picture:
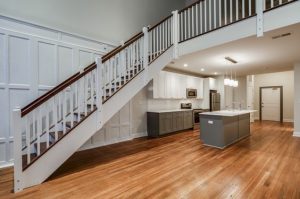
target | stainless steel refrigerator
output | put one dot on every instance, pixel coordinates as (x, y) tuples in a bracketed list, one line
[(215, 101)]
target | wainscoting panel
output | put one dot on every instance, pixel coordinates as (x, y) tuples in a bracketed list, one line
[(33, 59)]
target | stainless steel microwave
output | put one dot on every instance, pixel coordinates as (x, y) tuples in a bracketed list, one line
[(191, 93)]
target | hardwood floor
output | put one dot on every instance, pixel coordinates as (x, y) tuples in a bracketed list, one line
[(265, 165)]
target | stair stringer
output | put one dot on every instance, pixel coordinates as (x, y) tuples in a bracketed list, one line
[(121, 98), (40, 170)]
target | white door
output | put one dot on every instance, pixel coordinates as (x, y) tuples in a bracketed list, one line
[(270, 104)]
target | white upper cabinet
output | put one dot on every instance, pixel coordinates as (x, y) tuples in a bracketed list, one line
[(159, 85), (169, 85), (213, 84)]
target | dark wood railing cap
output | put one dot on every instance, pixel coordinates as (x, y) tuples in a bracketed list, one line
[(162, 21), (120, 48)]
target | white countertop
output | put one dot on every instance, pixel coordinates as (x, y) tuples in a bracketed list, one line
[(228, 113), (171, 110)]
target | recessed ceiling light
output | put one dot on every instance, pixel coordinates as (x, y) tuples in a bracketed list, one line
[(202, 69), (185, 65), (215, 73)]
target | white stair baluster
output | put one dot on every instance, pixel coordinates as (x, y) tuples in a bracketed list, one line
[(72, 104), (210, 14), (193, 22), (185, 25), (201, 17), (215, 14), (205, 16), (250, 7), (39, 130), (225, 11), (197, 19), (243, 9), (47, 124), (55, 120), (236, 10), (28, 139), (64, 109), (85, 90), (231, 11)]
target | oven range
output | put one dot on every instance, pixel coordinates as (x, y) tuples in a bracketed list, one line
[(196, 112)]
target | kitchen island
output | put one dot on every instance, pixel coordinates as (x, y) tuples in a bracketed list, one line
[(222, 128)]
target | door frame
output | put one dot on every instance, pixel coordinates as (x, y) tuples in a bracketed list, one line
[(281, 101)]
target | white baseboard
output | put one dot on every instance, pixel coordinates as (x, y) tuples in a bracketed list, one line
[(288, 120), (296, 134), (6, 165), (284, 120)]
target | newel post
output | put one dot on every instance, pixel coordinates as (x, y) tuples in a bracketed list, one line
[(146, 55), (99, 92), (16, 128), (175, 33), (260, 17)]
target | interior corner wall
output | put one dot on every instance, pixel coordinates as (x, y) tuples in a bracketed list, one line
[(297, 100), (113, 20), (285, 79), (240, 93)]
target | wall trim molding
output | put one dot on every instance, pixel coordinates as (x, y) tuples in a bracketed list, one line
[(296, 134), (52, 29)]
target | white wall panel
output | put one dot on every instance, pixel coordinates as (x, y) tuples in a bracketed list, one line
[(2, 152), (65, 63), (3, 117), (2, 49), (18, 98), (19, 60), (85, 58), (47, 64), (10, 154)]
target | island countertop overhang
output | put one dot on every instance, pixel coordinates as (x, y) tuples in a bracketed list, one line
[(226, 113)]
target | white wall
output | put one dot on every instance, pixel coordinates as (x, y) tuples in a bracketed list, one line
[(297, 100), (240, 93), (285, 79), (107, 20)]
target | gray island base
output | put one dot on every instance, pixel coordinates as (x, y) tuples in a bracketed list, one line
[(222, 128)]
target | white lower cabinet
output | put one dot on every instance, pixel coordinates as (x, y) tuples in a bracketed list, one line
[(169, 85)]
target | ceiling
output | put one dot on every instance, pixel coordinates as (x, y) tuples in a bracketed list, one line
[(254, 55)]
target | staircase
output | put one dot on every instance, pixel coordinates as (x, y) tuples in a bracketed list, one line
[(54, 126)]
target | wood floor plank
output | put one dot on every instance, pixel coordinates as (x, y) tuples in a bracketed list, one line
[(264, 165)]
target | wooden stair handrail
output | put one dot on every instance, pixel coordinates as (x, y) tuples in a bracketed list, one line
[(157, 24), (36, 103), (120, 48), (129, 40)]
